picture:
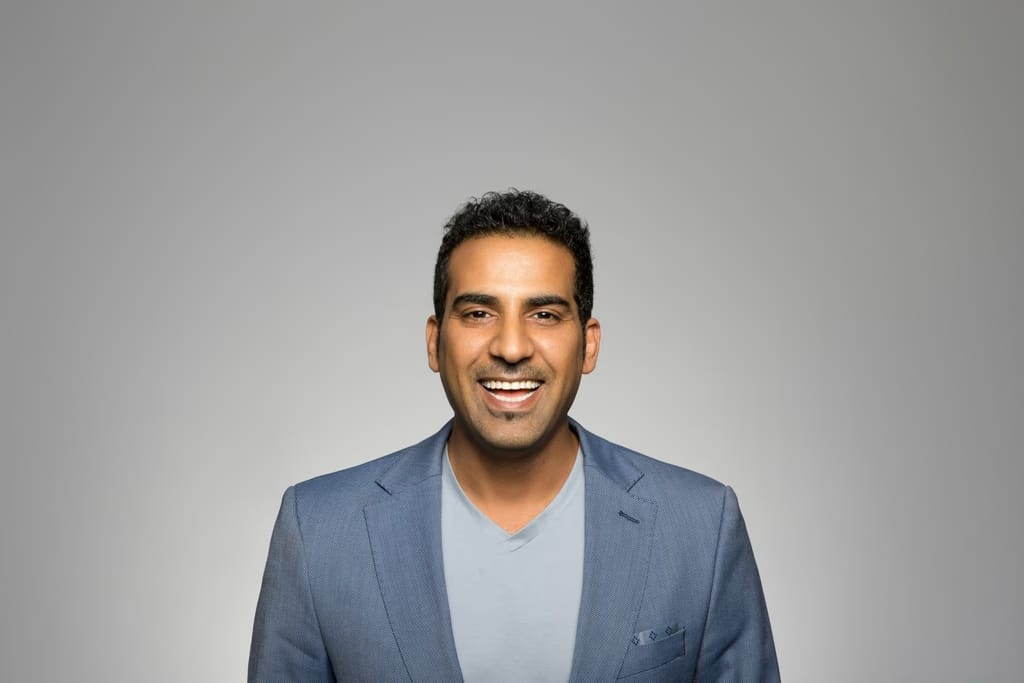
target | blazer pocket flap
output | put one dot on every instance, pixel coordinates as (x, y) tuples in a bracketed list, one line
[(651, 648)]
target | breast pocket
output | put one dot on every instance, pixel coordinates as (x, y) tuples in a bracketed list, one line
[(653, 648)]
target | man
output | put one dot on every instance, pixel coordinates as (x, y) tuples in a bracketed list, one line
[(513, 545)]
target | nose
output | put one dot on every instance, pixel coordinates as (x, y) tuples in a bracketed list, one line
[(511, 341)]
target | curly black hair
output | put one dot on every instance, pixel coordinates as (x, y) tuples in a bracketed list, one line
[(513, 213)]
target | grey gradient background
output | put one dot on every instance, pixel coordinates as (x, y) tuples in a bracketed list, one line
[(218, 225)]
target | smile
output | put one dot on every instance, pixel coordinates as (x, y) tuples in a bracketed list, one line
[(511, 392)]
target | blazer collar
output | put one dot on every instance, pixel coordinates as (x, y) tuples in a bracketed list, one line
[(606, 458), (602, 455), (416, 464), (405, 538), (617, 548)]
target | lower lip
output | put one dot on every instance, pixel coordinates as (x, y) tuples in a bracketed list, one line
[(520, 402)]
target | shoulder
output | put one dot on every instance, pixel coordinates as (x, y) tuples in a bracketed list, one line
[(347, 482), (653, 479), (355, 487), (658, 473)]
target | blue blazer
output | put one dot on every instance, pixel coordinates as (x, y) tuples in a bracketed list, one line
[(354, 584)]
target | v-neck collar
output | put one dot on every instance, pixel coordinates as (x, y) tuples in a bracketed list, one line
[(504, 539)]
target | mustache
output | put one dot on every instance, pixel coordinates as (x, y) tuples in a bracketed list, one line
[(511, 371)]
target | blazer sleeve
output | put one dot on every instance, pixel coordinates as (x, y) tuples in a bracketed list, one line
[(737, 643), (286, 640)]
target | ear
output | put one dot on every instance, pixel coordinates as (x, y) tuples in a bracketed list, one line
[(433, 332), (592, 334)]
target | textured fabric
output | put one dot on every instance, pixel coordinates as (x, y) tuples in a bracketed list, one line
[(513, 598), (354, 584)]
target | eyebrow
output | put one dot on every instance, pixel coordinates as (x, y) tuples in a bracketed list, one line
[(490, 300), (547, 300), (474, 298)]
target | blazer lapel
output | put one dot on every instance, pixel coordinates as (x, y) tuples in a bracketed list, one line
[(405, 539), (619, 531)]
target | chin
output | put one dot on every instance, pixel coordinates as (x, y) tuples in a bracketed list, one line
[(513, 441), (511, 446)]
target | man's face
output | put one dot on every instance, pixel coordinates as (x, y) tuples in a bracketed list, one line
[(510, 350)]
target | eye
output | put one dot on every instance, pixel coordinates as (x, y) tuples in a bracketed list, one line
[(477, 315), (546, 316)]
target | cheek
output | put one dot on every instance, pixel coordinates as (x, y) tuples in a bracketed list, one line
[(565, 355), (457, 352)]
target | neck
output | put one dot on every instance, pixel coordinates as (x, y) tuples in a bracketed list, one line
[(512, 488)]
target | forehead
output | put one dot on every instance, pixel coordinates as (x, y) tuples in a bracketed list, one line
[(529, 264)]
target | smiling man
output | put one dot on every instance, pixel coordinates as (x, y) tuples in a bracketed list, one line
[(513, 545)]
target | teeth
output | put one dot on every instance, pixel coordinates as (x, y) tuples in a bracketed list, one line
[(510, 386)]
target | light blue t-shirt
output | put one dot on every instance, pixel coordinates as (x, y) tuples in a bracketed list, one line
[(514, 598)]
